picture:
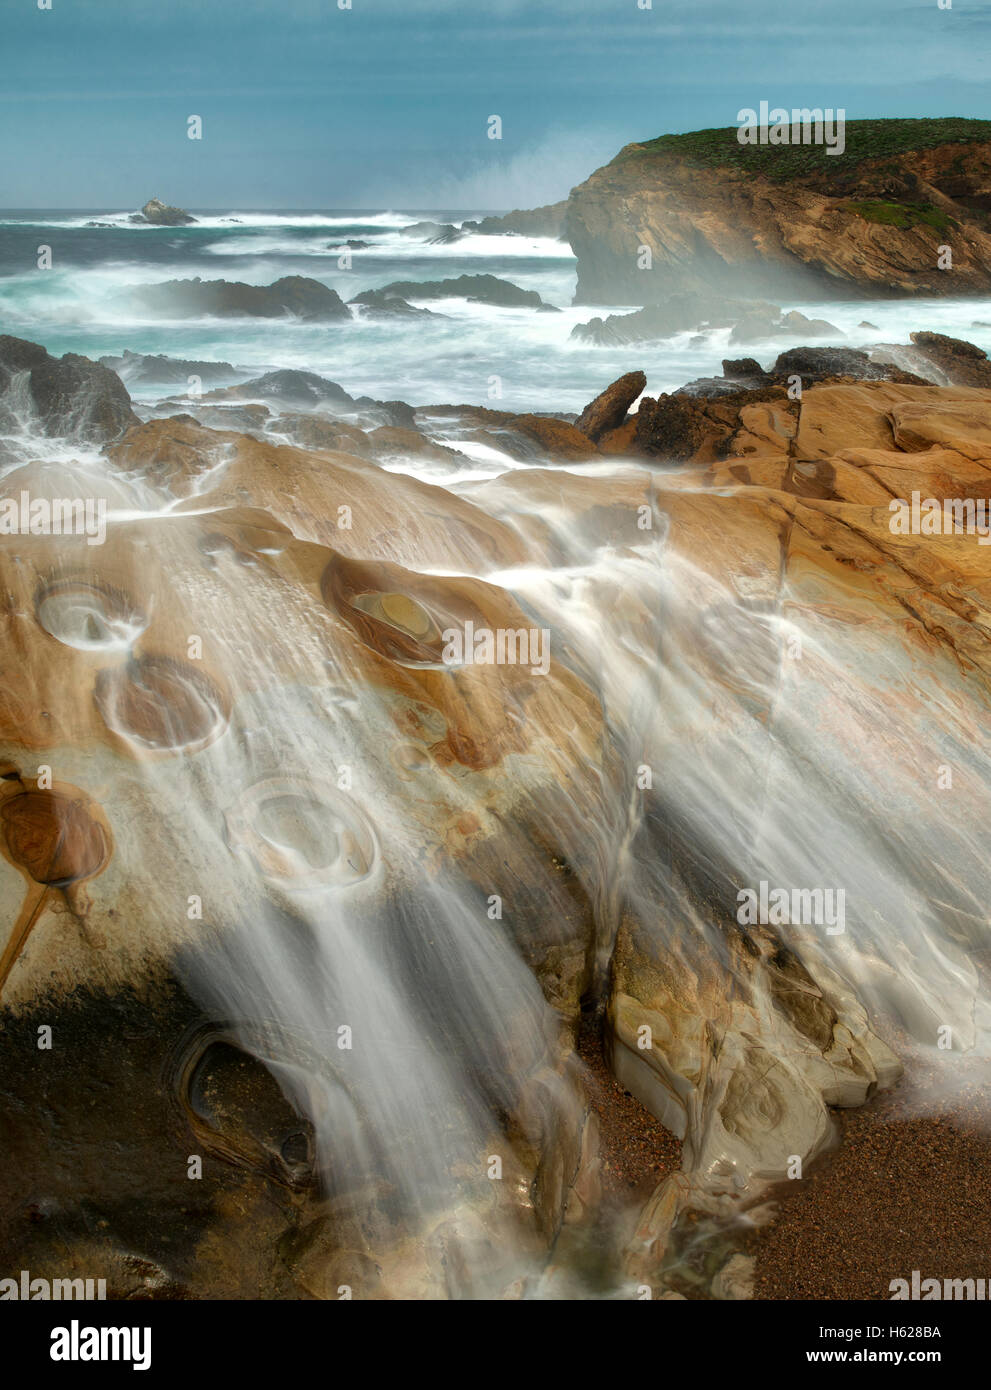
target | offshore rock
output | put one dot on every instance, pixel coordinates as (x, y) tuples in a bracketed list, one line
[(294, 295), (68, 396)]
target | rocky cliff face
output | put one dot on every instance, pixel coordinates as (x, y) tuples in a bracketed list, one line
[(723, 217)]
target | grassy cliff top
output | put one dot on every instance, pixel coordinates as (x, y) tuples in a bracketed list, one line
[(877, 139)]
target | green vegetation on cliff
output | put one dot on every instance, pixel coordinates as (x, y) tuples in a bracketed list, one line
[(902, 215), (873, 139)]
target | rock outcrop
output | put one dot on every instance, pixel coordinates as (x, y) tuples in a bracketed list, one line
[(547, 221), (478, 289), (750, 320), (256, 898), (67, 396), (390, 304), (297, 296), (159, 214), (788, 220), (141, 368), (608, 411)]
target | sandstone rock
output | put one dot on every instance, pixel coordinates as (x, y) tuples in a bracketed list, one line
[(608, 410), (323, 432), (391, 442)]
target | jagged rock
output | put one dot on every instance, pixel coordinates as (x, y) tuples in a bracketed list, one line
[(70, 396), (608, 411), (433, 232), (962, 363), (686, 427), (295, 295), (161, 215)]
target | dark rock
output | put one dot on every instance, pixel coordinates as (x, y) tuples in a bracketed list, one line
[(963, 363), (547, 221), (295, 295), (608, 410), (393, 305), (390, 412), (816, 364), (72, 396), (676, 314), (435, 233), (757, 326), (671, 427), (750, 320), (479, 289), (139, 367), (290, 385), (159, 214), (743, 369)]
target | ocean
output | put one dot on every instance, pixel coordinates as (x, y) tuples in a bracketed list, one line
[(76, 306)]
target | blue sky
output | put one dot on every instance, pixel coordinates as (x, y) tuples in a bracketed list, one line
[(385, 105)]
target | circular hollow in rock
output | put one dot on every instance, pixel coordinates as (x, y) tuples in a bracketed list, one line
[(89, 616), (53, 838), (161, 705), (400, 626), (237, 1110), (303, 834)]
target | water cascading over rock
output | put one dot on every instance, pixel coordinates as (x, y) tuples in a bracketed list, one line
[(318, 908)]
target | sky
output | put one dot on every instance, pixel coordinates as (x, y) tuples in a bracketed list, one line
[(386, 104)]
